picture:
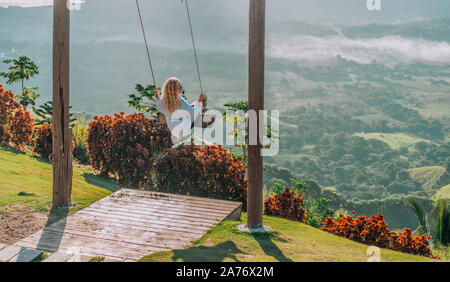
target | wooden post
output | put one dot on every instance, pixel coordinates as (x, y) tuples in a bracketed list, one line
[(62, 136), (256, 103)]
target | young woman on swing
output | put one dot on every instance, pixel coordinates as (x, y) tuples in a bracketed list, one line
[(176, 109)]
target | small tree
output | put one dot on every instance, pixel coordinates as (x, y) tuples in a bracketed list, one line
[(20, 69), (145, 101), (45, 114), (28, 97), (240, 110)]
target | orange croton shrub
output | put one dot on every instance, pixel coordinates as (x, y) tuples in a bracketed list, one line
[(21, 127), (209, 171), (8, 106), (287, 205), (43, 140), (125, 146), (374, 231)]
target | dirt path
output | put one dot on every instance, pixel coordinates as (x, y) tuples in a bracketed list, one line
[(18, 224)]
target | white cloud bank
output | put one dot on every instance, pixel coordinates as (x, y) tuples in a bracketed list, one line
[(31, 3), (389, 49)]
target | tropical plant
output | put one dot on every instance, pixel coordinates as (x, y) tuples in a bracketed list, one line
[(318, 211), (443, 222), (420, 213), (45, 114), (236, 114), (287, 204), (28, 97), (21, 128), (20, 69), (8, 105), (374, 231), (80, 134), (43, 140), (145, 101)]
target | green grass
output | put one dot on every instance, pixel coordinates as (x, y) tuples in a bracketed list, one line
[(394, 140), (427, 175), (290, 241), (26, 182), (97, 259)]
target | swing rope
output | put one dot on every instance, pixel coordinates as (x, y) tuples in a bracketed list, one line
[(146, 44), (193, 44)]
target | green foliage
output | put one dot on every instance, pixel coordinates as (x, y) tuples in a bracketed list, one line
[(19, 69), (318, 211), (80, 134), (277, 188), (238, 115), (145, 100), (28, 97), (443, 222), (45, 114), (242, 106)]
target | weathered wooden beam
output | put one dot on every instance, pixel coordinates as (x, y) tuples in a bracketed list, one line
[(256, 103), (62, 135)]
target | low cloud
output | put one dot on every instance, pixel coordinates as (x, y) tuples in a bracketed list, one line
[(388, 50)]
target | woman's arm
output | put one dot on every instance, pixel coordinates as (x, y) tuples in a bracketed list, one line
[(157, 93)]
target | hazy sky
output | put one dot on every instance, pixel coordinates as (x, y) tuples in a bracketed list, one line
[(310, 10)]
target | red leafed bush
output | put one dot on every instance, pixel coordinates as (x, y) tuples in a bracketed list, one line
[(43, 140), (125, 146), (408, 243), (21, 128), (374, 231), (208, 172), (287, 205), (7, 108)]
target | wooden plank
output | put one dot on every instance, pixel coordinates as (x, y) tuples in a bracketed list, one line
[(191, 199), (166, 203), (168, 210), (114, 226), (125, 237), (143, 225), (86, 245), (130, 228), (186, 224), (154, 213), (58, 257), (256, 58), (9, 252)]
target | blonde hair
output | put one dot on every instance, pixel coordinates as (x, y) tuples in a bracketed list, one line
[(171, 95)]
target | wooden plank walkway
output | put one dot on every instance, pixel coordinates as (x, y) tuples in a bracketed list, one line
[(129, 224)]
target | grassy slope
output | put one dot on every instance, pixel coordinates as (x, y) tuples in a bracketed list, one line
[(444, 192), (20, 172), (427, 175), (291, 241), (394, 140)]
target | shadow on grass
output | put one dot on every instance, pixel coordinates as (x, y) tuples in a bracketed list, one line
[(215, 253), (11, 150), (268, 246), (101, 182)]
